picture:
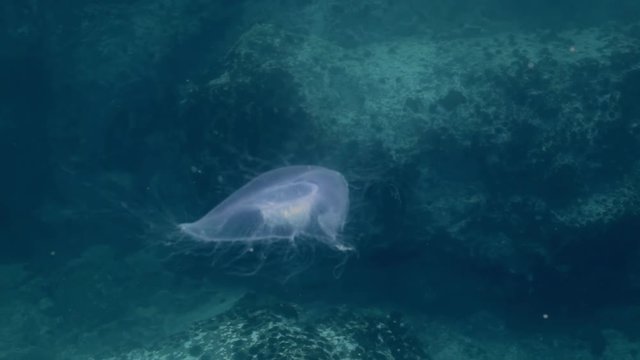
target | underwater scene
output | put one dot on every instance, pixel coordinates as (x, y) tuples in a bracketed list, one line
[(320, 180)]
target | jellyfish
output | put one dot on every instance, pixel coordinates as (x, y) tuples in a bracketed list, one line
[(278, 218)]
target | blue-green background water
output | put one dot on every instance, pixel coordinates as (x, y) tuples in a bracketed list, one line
[(491, 149)]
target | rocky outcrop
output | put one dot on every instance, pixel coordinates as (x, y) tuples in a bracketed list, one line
[(259, 327), (503, 150)]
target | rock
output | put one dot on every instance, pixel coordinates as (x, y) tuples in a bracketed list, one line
[(262, 327)]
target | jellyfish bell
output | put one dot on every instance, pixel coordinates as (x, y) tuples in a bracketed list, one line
[(279, 218)]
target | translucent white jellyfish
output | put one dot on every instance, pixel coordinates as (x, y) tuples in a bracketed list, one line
[(277, 218)]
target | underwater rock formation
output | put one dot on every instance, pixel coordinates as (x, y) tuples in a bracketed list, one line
[(503, 132), (260, 327)]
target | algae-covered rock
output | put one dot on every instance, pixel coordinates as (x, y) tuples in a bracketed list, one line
[(502, 132), (266, 328)]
